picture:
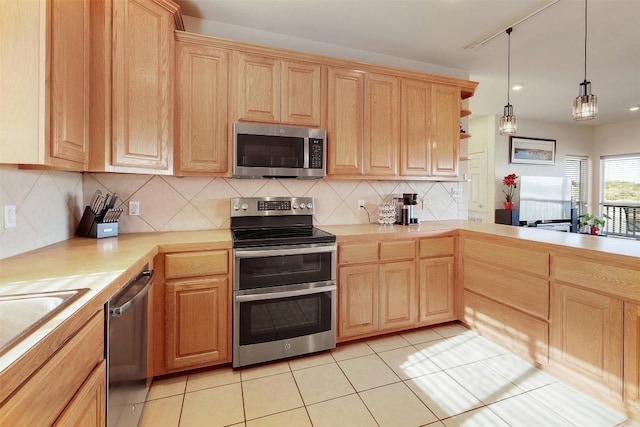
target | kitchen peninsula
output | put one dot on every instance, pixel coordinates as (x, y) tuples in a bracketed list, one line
[(569, 303)]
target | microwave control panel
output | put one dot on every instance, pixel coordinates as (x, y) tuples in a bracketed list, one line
[(316, 153)]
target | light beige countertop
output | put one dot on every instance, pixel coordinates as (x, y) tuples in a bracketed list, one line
[(606, 247), (104, 265)]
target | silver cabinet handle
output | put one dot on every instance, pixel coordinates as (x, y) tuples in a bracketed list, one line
[(274, 295), (281, 252)]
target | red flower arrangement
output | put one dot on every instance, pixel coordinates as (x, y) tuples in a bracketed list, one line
[(510, 182)]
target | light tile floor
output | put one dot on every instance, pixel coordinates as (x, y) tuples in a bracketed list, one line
[(441, 376)]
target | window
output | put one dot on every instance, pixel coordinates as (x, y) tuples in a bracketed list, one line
[(620, 194), (620, 179), (576, 168)]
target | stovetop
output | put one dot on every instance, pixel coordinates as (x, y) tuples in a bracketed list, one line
[(257, 237), (273, 221)]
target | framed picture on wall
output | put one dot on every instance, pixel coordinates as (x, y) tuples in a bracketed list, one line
[(533, 151)]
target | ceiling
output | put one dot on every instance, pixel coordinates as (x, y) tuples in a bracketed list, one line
[(547, 50)]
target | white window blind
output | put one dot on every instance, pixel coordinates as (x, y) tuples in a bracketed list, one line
[(620, 179), (576, 168)]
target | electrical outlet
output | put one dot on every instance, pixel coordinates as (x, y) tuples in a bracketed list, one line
[(134, 208), (360, 203), (10, 216)]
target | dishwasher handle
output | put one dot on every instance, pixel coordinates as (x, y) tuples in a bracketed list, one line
[(144, 277)]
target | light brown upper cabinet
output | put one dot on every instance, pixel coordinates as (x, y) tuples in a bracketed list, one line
[(381, 124), (44, 64), (444, 138), (272, 90), (415, 125), (132, 101), (201, 107), (345, 113)]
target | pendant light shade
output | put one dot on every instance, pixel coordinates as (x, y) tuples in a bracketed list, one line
[(585, 106), (508, 124)]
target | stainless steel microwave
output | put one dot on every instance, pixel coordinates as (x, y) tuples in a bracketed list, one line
[(272, 151)]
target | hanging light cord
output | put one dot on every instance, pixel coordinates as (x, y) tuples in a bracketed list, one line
[(585, 40), (509, 65)]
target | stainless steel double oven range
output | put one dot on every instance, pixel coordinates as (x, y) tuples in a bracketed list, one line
[(284, 280)]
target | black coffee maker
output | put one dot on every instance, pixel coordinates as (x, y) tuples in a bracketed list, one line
[(409, 200)]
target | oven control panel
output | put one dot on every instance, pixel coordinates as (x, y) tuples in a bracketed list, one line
[(268, 206)]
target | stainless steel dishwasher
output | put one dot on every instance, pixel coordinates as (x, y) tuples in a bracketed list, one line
[(127, 351)]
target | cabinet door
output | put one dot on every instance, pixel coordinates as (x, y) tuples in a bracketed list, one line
[(201, 109), (196, 322), (358, 300), (344, 122), (397, 295), (415, 128), (632, 356), (300, 93), (88, 407), (142, 91), (445, 130), (257, 86), (70, 80), (381, 125), (436, 293), (586, 335)]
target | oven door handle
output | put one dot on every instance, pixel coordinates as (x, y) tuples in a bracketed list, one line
[(253, 253), (286, 294)]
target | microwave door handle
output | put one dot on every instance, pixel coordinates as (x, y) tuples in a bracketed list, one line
[(287, 294), (305, 163), (281, 252)]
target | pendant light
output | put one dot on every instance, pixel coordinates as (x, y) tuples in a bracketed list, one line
[(585, 106), (508, 123)]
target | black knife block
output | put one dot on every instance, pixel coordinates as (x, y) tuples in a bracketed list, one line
[(90, 226)]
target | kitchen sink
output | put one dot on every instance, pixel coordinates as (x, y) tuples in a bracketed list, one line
[(21, 314)]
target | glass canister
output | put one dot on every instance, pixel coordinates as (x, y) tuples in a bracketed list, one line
[(386, 213)]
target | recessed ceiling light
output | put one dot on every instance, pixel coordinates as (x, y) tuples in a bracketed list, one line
[(634, 108), (517, 87)]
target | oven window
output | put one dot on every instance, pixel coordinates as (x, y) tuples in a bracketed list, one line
[(280, 270), (270, 151), (284, 318)]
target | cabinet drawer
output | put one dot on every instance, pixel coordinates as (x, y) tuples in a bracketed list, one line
[(622, 282), (405, 249), (519, 290), (192, 264), (41, 399), (440, 246), (358, 252), (523, 334), (524, 260)]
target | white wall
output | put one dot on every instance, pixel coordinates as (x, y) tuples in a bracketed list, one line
[(571, 139), (265, 38)]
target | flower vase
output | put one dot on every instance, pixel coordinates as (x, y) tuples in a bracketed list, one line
[(593, 231), (508, 205)]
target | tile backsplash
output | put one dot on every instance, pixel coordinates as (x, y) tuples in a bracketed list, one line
[(49, 204), (48, 208), (198, 203)]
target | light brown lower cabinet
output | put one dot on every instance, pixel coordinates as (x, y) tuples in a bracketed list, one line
[(436, 292), (196, 322), (89, 405), (632, 357), (378, 294), (358, 290), (196, 310), (586, 336), (397, 295), (59, 386)]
